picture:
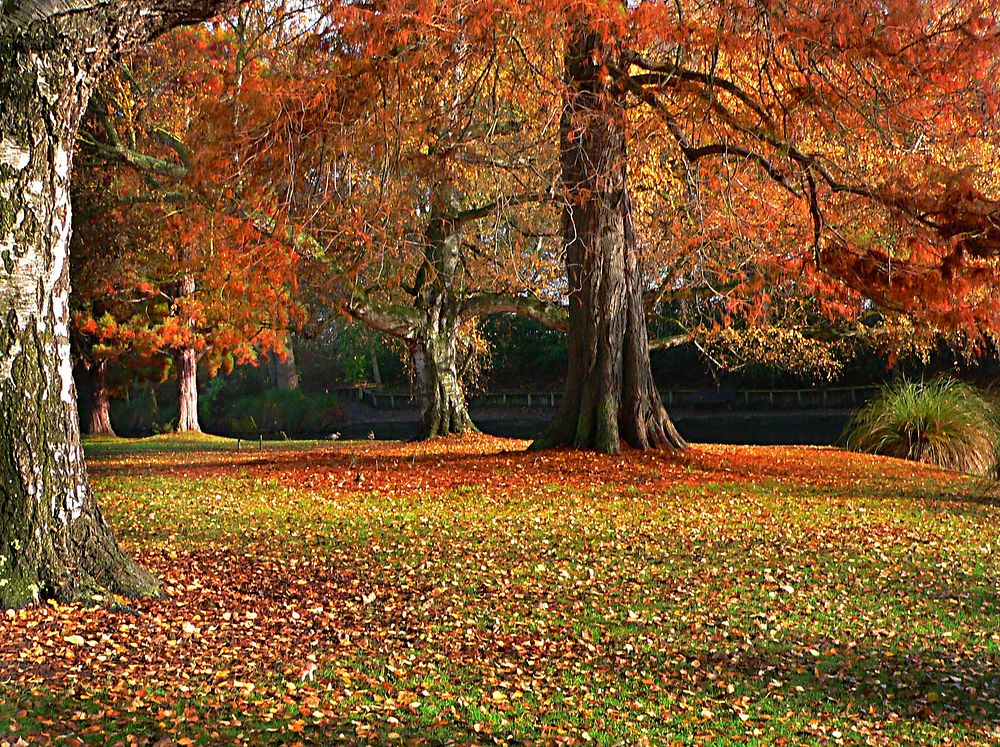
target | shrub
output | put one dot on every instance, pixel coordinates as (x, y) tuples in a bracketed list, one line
[(281, 411), (944, 422)]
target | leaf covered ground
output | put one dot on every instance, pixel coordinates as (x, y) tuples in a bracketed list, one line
[(470, 592)]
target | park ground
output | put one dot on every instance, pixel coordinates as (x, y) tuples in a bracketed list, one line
[(469, 592)]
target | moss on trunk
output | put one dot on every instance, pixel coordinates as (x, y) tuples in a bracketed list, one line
[(443, 410), (54, 541)]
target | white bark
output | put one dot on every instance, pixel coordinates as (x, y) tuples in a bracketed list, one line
[(187, 375), (53, 539)]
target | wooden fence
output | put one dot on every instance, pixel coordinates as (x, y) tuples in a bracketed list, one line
[(833, 398)]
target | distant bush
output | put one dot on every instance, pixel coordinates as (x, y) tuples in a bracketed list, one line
[(277, 411), (140, 413), (944, 422)]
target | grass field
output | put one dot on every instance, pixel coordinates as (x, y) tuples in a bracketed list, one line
[(469, 592)]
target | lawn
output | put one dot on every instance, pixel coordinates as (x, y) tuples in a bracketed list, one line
[(469, 592)]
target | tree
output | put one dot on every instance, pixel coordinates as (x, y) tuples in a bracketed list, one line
[(54, 542), (443, 303), (380, 172), (610, 392), (846, 130), (113, 309), (226, 291), (771, 88)]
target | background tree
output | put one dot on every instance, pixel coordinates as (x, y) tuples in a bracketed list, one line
[(421, 196), (412, 184), (226, 290), (770, 88)]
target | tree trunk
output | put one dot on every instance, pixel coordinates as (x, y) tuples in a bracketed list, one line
[(443, 410), (187, 377), (610, 394), (100, 408), (434, 347), (187, 372), (376, 371), (284, 373), (54, 541)]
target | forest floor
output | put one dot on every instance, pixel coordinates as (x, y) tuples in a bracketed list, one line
[(470, 592)]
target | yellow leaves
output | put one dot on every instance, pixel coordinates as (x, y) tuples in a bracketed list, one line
[(75, 640), (789, 348)]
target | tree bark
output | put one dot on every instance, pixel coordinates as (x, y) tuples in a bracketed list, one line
[(187, 377), (610, 395), (187, 372), (376, 371), (284, 372), (100, 408), (434, 348), (54, 541), (443, 410)]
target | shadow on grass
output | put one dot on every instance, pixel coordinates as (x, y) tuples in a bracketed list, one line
[(879, 683)]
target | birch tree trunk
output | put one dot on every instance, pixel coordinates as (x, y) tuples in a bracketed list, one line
[(54, 541), (610, 395)]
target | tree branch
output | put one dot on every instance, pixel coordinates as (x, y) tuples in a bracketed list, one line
[(476, 213), (551, 315), (666, 343)]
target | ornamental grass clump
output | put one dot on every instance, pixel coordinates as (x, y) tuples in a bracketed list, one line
[(944, 422)]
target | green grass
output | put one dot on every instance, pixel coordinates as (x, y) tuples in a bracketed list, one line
[(97, 447), (720, 611)]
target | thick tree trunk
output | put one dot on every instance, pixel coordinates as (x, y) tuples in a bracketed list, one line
[(53, 540), (187, 377), (443, 410), (610, 394), (284, 372), (434, 347), (100, 406), (430, 327)]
